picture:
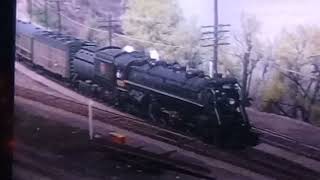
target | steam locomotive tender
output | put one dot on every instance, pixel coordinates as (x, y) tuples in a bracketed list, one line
[(166, 94)]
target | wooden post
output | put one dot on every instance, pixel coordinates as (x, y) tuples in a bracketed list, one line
[(211, 67), (90, 119)]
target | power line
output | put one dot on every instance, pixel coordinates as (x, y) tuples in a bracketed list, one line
[(213, 67), (127, 37), (119, 35), (110, 27), (219, 44), (215, 32), (149, 42), (275, 65), (281, 68), (46, 8), (132, 17), (219, 25)]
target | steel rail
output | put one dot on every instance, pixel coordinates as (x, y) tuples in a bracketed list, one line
[(251, 159)]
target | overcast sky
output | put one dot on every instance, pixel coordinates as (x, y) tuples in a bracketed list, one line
[(274, 14)]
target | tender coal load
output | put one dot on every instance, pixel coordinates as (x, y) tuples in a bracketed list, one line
[(83, 61)]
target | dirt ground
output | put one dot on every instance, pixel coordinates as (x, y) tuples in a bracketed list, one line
[(26, 82), (59, 146), (63, 146)]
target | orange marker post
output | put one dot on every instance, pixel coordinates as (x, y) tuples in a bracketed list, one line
[(118, 138)]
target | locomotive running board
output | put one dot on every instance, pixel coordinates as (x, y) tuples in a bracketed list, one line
[(163, 93)]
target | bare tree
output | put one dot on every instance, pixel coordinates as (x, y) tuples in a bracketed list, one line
[(247, 50), (296, 66), (314, 94)]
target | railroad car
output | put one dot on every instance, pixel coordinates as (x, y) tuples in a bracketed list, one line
[(53, 52), (83, 61), (168, 95), (24, 40)]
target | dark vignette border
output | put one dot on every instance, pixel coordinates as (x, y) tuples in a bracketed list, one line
[(7, 54)]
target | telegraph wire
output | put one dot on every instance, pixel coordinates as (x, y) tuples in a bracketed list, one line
[(117, 34), (277, 66), (281, 68), (273, 64)]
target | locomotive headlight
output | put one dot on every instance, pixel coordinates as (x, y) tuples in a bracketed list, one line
[(237, 87), (128, 49), (119, 74), (232, 101)]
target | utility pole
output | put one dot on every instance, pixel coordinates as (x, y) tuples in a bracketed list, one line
[(90, 116), (216, 41), (31, 10), (213, 67), (59, 16), (46, 13), (110, 27)]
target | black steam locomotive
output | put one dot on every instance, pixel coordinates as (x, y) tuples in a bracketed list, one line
[(165, 94)]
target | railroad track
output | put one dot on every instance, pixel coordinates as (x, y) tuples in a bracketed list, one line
[(252, 159), (268, 136), (30, 158), (285, 142), (32, 161)]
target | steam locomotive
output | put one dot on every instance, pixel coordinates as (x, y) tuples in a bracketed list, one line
[(165, 94)]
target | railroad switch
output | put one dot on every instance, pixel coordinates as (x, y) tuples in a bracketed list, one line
[(118, 138)]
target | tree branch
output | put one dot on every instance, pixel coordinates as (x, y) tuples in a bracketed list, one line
[(294, 80), (281, 109)]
